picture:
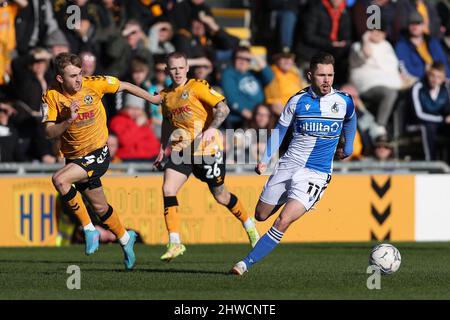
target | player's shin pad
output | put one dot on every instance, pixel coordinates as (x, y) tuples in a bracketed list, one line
[(75, 202), (111, 219)]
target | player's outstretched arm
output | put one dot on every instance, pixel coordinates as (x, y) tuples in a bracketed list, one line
[(133, 89), (55, 130)]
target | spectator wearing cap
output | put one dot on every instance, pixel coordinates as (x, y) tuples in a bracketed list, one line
[(432, 107), (417, 51), (286, 82), (57, 43), (30, 81), (244, 87), (137, 141), (374, 70), (425, 8), (383, 149)]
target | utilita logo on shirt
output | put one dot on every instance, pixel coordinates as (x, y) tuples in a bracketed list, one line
[(328, 128)]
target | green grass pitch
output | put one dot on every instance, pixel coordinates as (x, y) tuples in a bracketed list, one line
[(292, 271)]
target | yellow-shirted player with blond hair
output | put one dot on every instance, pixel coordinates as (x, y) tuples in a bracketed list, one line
[(73, 112), (193, 112)]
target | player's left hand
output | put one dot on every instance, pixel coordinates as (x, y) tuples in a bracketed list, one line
[(340, 154), (208, 136)]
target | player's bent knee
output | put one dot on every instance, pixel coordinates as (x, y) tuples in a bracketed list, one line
[(169, 191), (59, 182), (260, 216)]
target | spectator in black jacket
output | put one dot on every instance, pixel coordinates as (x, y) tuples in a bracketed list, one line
[(29, 83), (204, 38), (9, 138), (329, 29), (182, 13), (33, 25), (432, 106)]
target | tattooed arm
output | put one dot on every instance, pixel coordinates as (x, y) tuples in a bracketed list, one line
[(221, 111)]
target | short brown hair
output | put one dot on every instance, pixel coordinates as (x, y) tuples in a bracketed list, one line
[(65, 59), (175, 55), (320, 58), (437, 65)]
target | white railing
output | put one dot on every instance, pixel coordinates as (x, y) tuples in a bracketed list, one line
[(396, 167)]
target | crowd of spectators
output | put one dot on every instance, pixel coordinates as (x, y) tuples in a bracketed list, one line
[(402, 60)]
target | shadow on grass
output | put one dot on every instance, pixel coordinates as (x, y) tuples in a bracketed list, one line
[(138, 270)]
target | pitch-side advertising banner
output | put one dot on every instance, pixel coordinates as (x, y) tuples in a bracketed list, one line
[(353, 208)]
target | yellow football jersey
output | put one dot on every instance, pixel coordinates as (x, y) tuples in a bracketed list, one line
[(89, 131), (189, 108)]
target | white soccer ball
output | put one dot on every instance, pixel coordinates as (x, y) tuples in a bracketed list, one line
[(386, 257)]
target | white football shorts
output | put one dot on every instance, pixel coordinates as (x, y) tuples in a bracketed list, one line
[(301, 184)]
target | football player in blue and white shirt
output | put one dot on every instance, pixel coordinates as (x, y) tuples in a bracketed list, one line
[(318, 115)]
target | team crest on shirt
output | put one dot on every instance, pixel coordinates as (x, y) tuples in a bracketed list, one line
[(88, 99), (335, 108), (185, 95), (307, 106)]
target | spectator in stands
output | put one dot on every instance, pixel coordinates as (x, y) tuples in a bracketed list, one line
[(137, 141), (263, 121), (113, 146), (384, 149), (432, 107), (8, 13), (33, 25), (88, 63), (57, 43), (121, 50), (426, 9), (374, 70), (29, 83), (160, 37), (286, 15), (9, 137), (204, 38), (416, 51), (80, 35), (148, 12), (388, 10), (243, 87), (159, 82), (184, 11), (368, 129), (328, 29), (287, 81)]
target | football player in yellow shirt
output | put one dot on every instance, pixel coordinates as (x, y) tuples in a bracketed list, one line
[(73, 113), (193, 112)]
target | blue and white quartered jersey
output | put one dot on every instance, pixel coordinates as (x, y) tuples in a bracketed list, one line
[(317, 122)]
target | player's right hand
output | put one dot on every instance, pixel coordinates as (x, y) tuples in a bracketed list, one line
[(74, 108), (157, 165), (260, 168)]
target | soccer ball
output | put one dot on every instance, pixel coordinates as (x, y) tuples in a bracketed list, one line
[(386, 257)]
